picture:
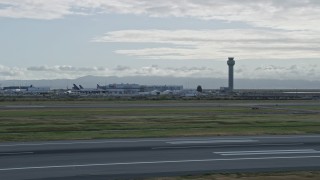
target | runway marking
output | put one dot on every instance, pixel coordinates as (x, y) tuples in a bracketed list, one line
[(21, 106), (219, 146), (213, 141), (72, 143), (153, 162), (114, 141), (15, 153), (286, 137), (242, 153), (156, 140)]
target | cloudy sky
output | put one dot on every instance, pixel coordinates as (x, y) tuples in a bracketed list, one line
[(49, 39)]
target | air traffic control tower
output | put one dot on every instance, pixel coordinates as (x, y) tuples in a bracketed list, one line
[(231, 63)]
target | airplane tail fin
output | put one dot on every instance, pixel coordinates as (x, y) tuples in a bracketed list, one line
[(75, 87)]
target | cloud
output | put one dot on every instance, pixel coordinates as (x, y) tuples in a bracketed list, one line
[(9, 73), (302, 71), (217, 44), (284, 14), (122, 68), (35, 9), (65, 68), (294, 71), (155, 70), (63, 71)]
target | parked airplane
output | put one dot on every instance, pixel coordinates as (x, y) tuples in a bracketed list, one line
[(81, 89), (101, 87), (75, 87)]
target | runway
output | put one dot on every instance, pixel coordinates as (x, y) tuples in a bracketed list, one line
[(136, 158)]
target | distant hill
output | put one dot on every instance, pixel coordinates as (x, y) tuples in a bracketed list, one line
[(187, 82)]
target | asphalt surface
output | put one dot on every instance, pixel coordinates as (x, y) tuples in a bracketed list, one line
[(137, 158)]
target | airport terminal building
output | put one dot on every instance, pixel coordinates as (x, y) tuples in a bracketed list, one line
[(26, 89), (136, 89)]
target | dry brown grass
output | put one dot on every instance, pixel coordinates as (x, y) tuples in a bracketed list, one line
[(124, 122)]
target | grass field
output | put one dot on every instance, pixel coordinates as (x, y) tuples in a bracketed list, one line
[(127, 122)]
